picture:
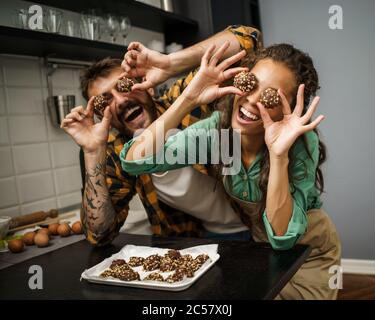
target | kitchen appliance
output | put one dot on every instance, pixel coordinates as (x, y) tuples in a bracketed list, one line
[(59, 107)]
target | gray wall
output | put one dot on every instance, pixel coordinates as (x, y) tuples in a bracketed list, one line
[(344, 60)]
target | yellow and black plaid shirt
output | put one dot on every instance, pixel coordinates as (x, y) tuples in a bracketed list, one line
[(164, 220)]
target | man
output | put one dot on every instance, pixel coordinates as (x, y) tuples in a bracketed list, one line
[(181, 202)]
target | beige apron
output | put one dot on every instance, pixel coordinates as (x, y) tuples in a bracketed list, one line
[(311, 282)]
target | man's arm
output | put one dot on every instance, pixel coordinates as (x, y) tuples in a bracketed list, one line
[(98, 212), (99, 218), (156, 68)]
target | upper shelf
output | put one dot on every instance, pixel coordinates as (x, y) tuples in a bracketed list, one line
[(176, 28), (41, 44), (140, 14)]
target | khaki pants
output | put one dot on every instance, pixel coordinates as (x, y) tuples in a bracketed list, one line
[(311, 282)]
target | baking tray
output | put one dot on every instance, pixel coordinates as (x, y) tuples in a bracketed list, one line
[(93, 274)]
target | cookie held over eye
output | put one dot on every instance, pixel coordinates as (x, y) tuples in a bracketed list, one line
[(270, 98), (124, 85), (100, 102), (245, 81)]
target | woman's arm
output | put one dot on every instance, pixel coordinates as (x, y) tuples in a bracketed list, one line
[(203, 89), (284, 217)]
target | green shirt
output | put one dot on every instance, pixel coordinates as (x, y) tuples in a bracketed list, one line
[(243, 185)]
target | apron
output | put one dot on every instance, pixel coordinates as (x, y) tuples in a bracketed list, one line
[(311, 282)]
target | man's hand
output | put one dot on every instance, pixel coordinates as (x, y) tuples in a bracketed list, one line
[(205, 86), (80, 125), (151, 65)]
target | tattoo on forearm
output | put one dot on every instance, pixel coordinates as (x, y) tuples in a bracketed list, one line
[(97, 205)]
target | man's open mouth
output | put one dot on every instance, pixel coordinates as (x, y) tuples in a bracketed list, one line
[(132, 113)]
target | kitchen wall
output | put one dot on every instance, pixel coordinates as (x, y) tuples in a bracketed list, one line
[(344, 60), (39, 166)]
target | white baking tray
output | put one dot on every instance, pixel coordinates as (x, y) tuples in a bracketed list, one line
[(93, 274)]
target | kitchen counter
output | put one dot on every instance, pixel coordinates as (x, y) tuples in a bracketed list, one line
[(245, 270)]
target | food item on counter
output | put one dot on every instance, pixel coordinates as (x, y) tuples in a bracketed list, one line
[(168, 264), (181, 265), (154, 276), (202, 258), (28, 238), (53, 228), (173, 254), (15, 245), (270, 98), (100, 102), (136, 261), (151, 262), (45, 231), (64, 230), (41, 239), (77, 227), (176, 276), (124, 85), (245, 81), (117, 262), (122, 272)]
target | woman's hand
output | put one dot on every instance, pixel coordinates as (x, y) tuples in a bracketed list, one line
[(204, 87), (280, 135), (80, 125), (154, 67)]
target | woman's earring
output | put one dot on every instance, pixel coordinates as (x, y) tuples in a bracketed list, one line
[(270, 98), (124, 85), (245, 81), (100, 102)]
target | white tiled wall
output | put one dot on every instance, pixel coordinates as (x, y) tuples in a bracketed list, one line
[(39, 164)]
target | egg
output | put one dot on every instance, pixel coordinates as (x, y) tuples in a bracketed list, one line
[(15, 245), (45, 231), (28, 238), (77, 227), (41, 239), (64, 230), (53, 228)]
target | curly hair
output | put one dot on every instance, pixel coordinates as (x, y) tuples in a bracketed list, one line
[(302, 67)]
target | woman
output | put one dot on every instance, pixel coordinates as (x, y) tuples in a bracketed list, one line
[(280, 179)]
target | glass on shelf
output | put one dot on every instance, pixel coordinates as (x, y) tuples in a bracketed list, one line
[(91, 26), (125, 27), (71, 29), (52, 19), (111, 25), (21, 18)]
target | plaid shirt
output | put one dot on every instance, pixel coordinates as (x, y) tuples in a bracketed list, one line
[(164, 220)]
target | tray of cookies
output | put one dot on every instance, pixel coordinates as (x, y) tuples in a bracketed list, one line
[(154, 268)]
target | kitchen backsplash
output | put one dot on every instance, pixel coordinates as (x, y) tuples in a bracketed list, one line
[(39, 163)]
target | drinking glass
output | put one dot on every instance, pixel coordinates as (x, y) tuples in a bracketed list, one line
[(71, 29), (125, 27), (21, 18), (91, 27), (112, 26), (52, 19)]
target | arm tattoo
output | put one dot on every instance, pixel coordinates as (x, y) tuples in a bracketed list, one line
[(98, 210)]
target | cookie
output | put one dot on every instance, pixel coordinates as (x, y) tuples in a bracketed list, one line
[(173, 254), (151, 262), (245, 81), (270, 98), (124, 85), (100, 102), (154, 276), (117, 262), (136, 261)]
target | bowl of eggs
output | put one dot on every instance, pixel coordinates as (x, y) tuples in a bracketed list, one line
[(4, 228)]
